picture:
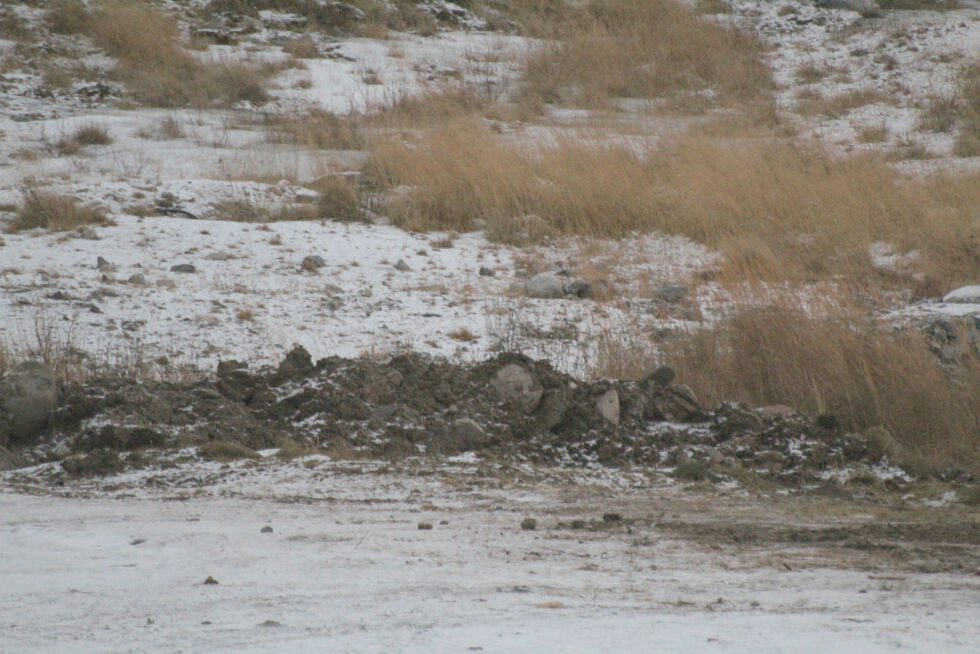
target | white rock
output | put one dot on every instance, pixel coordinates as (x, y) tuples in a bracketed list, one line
[(964, 295), (608, 405)]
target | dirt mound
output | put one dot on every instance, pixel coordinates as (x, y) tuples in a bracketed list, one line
[(510, 406)]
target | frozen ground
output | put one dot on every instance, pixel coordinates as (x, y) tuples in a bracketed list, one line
[(116, 566)]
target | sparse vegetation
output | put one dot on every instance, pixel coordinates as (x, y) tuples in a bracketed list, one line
[(623, 48), (776, 210), (45, 210), (835, 361), (840, 105), (150, 60)]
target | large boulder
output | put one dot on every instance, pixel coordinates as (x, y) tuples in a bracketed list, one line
[(28, 398), (517, 388)]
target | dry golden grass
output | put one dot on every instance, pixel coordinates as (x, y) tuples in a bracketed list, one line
[(968, 138), (873, 133), (776, 210), (839, 363), (150, 60), (839, 105), (55, 212), (317, 128), (638, 48)]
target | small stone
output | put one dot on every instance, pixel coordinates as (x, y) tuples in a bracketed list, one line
[(183, 268), (402, 266), (271, 623), (139, 279), (266, 530), (608, 406), (612, 517), (578, 524), (313, 263), (210, 581), (486, 271), (425, 526), (103, 265), (89, 234), (529, 524)]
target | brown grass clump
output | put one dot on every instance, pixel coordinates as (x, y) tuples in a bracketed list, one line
[(639, 48), (68, 17), (777, 210), (151, 62), (55, 212), (317, 128), (839, 105), (841, 364), (226, 451)]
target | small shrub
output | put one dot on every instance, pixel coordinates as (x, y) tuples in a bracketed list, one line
[(226, 451), (302, 48), (69, 17), (54, 212), (939, 114)]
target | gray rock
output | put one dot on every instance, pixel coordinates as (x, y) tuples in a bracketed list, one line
[(266, 530), (529, 524), (463, 435), (964, 295), (89, 234), (104, 266), (138, 278), (313, 262), (545, 286), (775, 411), (671, 293), (221, 255), (183, 268), (552, 410), (486, 271), (579, 288), (677, 403), (608, 406), (516, 387), (28, 398), (661, 376), (402, 266)]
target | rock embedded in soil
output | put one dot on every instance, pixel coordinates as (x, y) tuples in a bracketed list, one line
[(661, 376), (486, 271), (425, 526), (545, 286), (28, 399), (313, 263), (516, 387), (608, 406), (402, 266), (183, 268), (529, 524)]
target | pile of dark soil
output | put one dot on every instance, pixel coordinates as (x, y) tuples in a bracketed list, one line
[(509, 408)]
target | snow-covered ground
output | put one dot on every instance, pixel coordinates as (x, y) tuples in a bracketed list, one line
[(119, 567)]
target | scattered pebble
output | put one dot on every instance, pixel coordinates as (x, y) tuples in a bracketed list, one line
[(266, 530), (425, 526), (529, 524)]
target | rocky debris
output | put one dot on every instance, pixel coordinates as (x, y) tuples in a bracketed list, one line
[(529, 524), (425, 526), (183, 268), (138, 279), (516, 387), (511, 407), (103, 265), (964, 295), (210, 581), (28, 399), (89, 234), (313, 263), (266, 530), (402, 266), (486, 271)]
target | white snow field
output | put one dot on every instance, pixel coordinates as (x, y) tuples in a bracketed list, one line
[(113, 566)]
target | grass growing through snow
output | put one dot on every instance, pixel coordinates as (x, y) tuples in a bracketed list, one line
[(54, 212), (607, 49), (150, 59), (777, 211), (843, 364)]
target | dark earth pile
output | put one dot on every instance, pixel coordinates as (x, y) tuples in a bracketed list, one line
[(509, 407)]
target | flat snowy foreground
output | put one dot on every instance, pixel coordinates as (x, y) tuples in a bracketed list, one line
[(345, 569)]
